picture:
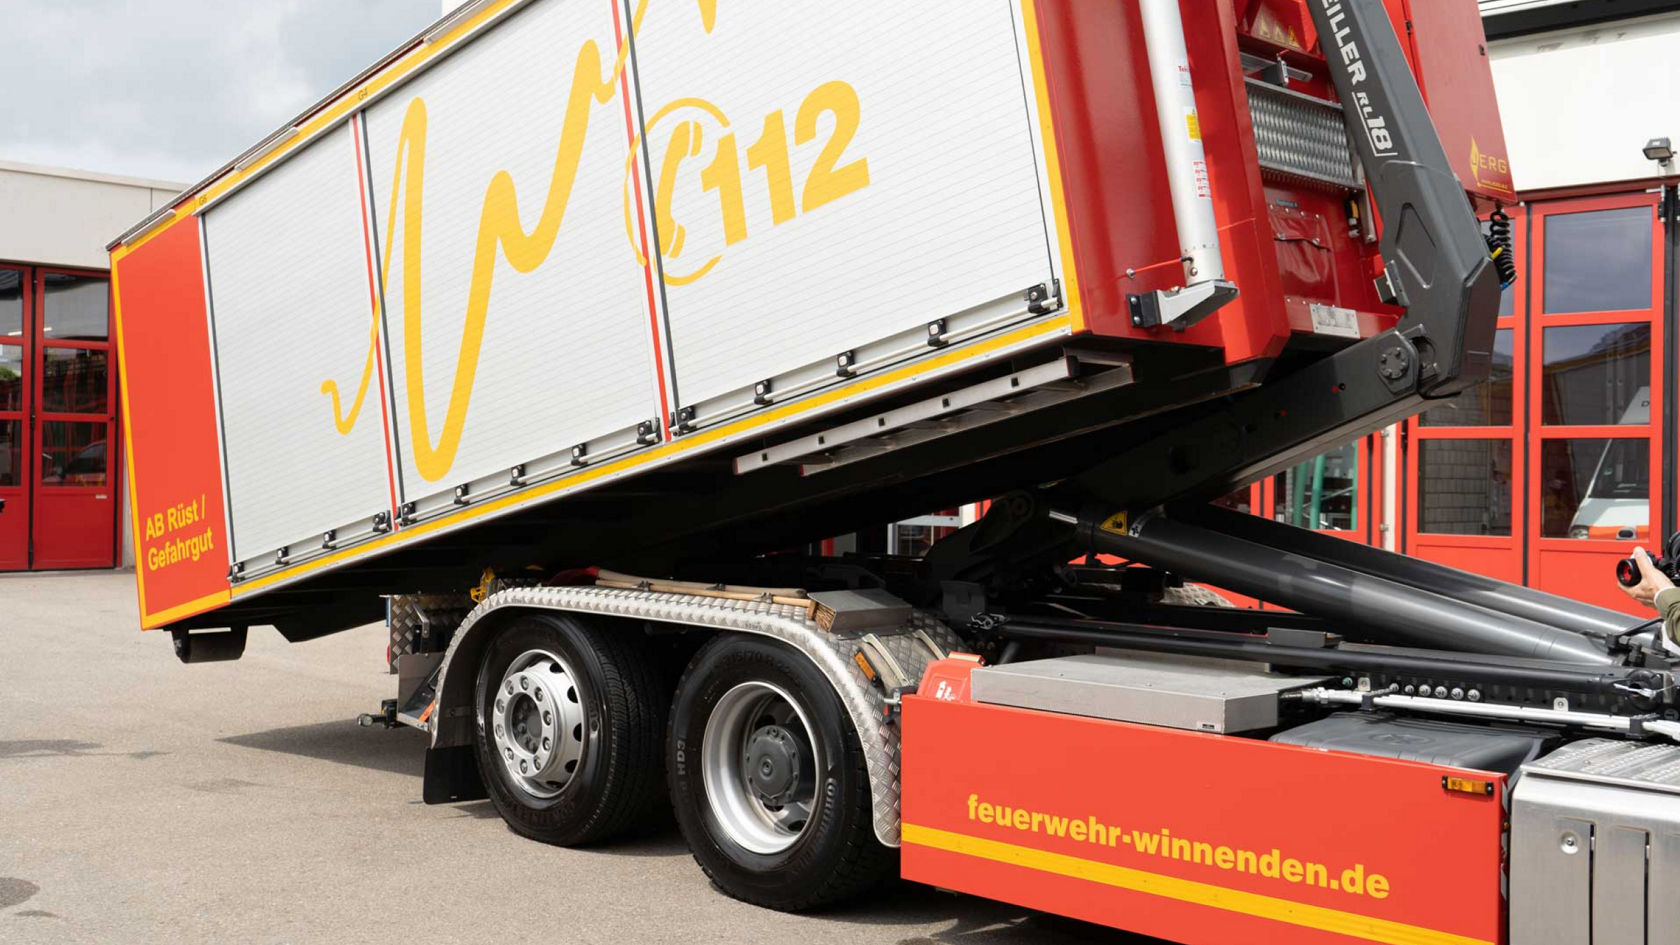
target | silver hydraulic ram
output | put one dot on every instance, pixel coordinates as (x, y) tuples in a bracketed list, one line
[(1390, 611), (1205, 288)]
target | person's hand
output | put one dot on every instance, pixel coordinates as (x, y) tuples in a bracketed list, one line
[(1650, 579)]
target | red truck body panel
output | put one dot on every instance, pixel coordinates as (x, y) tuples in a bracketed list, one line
[(1200, 838)]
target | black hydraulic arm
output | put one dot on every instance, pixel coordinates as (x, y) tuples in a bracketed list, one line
[(1437, 266)]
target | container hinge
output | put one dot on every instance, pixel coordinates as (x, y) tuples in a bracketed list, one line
[(647, 432), (1044, 298), (845, 363), (683, 420), (1180, 307), (761, 392), (936, 334), (381, 522)]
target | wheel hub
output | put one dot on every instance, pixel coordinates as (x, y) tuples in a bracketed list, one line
[(761, 766), (772, 763), (536, 723)]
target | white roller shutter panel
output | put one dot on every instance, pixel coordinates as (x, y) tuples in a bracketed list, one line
[(951, 216), (290, 308), (567, 352)]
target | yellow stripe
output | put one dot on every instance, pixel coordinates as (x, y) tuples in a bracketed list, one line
[(171, 614), (690, 442), (329, 115), (1184, 890), (1053, 165), (128, 444)]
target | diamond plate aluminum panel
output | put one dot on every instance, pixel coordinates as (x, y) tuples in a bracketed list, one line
[(1302, 136), (832, 654)]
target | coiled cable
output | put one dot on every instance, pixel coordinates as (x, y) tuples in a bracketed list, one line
[(1501, 248)]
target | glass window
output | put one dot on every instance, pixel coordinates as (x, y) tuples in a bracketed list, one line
[(73, 380), (77, 308), (1464, 487), (11, 453), (1595, 489), (72, 454), (1599, 261), (1321, 493), (11, 377), (1596, 375), (11, 303), (1488, 404)]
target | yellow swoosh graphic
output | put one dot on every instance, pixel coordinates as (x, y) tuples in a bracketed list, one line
[(499, 230)]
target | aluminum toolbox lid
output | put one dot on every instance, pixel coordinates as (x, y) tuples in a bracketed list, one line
[(1432, 741), (1604, 761)]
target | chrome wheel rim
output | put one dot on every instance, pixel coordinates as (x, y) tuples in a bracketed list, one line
[(761, 767), (537, 723)]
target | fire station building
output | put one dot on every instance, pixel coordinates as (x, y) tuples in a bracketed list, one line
[(60, 446)]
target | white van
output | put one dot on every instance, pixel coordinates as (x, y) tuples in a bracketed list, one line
[(1617, 504)]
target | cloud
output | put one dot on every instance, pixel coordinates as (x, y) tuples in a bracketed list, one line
[(172, 89)]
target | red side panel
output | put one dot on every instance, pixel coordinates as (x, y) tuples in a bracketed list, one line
[(169, 409), (1198, 838), (1115, 178), (1449, 55)]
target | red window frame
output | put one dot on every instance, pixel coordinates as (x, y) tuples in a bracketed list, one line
[(1581, 568), (1497, 556), (47, 550), (15, 526)]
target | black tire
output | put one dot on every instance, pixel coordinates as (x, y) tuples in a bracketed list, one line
[(836, 855), (616, 785)]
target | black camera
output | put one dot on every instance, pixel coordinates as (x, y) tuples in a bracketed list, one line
[(1627, 569)]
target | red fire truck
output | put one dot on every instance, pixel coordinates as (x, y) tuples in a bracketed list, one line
[(561, 334)]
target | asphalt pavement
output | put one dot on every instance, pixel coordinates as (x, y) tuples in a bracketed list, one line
[(146, 801)]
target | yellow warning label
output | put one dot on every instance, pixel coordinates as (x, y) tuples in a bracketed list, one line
[(1194, 125), (1116, 523)]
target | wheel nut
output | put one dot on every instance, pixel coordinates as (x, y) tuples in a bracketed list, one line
[(501, 705), (548, 718), (523, 767), (524, 683), (545, 744), (510, 687), (499, 733), (539, 693), (508, 752)]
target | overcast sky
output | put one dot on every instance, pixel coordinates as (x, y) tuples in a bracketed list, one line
[(172, 89)]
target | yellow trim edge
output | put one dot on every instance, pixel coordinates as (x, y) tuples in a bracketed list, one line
[(1184, 890), (191, 607), (1052, 164)]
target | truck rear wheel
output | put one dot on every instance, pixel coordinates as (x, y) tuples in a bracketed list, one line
[(568, 728), (768, 779)]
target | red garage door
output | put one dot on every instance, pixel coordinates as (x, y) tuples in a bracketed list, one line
[(57, 420)]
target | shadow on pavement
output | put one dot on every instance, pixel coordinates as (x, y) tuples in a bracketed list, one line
[(974, 921), (399, 751)]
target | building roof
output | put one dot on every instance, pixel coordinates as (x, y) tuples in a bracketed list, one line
[(43, 170)]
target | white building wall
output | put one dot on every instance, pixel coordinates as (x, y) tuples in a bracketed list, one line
[(52, 217), (1578, 104)]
